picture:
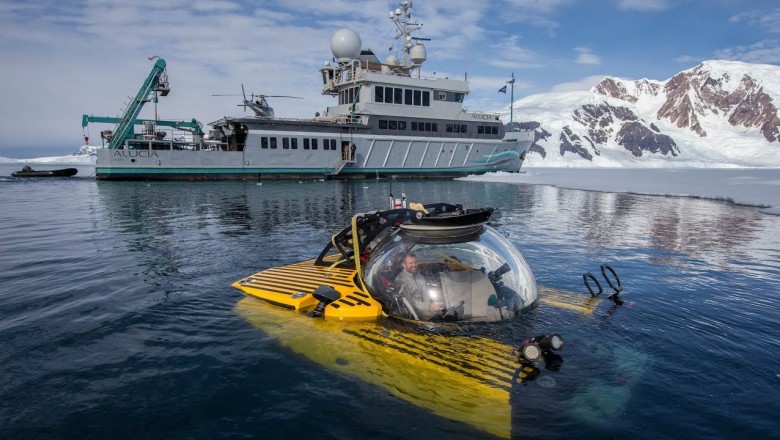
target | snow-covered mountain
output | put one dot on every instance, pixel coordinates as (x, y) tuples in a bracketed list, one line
[(85, 155), (717, 114)]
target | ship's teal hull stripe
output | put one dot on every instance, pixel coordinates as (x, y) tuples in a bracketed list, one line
[(210, 170), (131, 171)]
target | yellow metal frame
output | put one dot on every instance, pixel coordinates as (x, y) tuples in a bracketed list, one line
[(291, 287)]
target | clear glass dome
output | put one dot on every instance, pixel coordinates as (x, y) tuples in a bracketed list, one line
[(473, 276)]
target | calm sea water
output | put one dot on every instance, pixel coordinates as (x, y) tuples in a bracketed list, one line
[(117, 319)]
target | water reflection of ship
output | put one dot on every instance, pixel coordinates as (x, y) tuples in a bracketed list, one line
[(226, 208)]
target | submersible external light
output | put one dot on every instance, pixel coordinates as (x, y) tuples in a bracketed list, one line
[(533, 349), (552, 342)]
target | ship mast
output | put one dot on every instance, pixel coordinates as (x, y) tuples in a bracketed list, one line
[(412, 48), (511, 101)]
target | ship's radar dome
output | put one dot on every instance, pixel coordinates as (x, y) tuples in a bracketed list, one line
[(345, 45), (417, 54), (392, 60)]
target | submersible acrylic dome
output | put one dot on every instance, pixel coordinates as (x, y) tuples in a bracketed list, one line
[(452, 275)]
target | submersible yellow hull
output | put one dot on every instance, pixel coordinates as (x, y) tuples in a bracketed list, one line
[(462, 378)]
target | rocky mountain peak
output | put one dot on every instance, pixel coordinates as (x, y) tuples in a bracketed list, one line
[(723, 112), (710, 88)]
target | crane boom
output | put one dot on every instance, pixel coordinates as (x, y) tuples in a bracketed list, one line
[(124, 128), (156, 83), (193, 125)]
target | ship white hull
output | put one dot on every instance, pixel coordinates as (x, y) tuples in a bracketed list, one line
[(373, 156)]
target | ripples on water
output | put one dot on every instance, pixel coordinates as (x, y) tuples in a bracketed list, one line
[(118, 321)]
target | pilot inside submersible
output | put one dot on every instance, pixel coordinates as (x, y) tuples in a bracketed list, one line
[(449, 274)]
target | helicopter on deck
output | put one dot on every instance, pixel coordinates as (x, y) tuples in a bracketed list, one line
[(258, 103)]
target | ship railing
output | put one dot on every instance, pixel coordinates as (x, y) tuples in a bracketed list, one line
[(357, 71), (174, 140), (177, 144), (351, 119)]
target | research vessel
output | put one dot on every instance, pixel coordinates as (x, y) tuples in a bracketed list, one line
[(390, 120)]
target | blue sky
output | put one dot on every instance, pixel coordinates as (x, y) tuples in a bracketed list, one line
[(64, 58)]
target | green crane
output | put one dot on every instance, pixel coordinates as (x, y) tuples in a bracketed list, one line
[(155, 83)]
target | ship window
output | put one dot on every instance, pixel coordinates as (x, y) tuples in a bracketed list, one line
[(389, 95), (351, 96), (459, 97), (494, 130), (402, 125), (442, 96), (273, 142), (414, 126), (379, 94), (398, 96), (408, 96), (480, 129), (427, 126), (393, 125), (383, 124), (263, 142), (417, 97), (286, 143), (314, 144), (434, 126), (463, 129), (426, 99), (294, 143), (306, 143)]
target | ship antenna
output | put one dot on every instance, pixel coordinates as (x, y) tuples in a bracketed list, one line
[(402, 18), (466, 59), (511, 101)]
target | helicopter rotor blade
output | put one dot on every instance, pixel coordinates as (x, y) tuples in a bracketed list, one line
[(280, 96)]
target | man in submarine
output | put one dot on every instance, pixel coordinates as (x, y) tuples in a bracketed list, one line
[(412, 285)]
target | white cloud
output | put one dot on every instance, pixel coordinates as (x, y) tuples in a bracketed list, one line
[(765, 52), (536, 13), (770, 20), (581, 85), (513, 56), (687, 59), (539, 6), (643, 5), (585, 56)]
